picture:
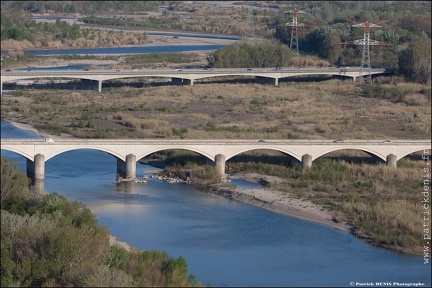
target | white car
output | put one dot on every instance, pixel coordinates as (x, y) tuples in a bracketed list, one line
[(49, 140)]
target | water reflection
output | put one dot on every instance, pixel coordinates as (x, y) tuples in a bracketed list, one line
[(128, 187), (244, 183)]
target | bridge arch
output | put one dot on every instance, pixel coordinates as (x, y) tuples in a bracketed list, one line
[(289, 153), (200, 152), (366, 150), (102, 149), (414, 151), (25, 155)]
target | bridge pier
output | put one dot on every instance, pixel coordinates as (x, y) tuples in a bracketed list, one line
[(127, 169), (91, 84), (391, 160), (182, 81), (36, 172), (220, 165), (306, 161), (267, 80)]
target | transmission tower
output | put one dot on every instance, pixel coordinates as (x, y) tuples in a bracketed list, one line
[(251, 25), (366, 42), (294, 29)]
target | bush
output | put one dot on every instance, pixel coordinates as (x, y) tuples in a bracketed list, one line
[(56, 243)]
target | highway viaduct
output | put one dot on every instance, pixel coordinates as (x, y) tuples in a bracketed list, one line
[(187, 76), (128, 152)]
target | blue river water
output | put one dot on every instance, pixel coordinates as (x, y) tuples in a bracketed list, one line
[(125, 50), (225, 242)]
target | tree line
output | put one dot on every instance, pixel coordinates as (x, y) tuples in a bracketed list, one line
[(16, 27), (48, 241)]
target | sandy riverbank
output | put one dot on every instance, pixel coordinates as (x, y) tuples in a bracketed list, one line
[(29, 127), (113, 241), (277, 201), (23, 126)]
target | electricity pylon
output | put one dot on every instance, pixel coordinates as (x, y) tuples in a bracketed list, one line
[(366, 42), (294, 29)]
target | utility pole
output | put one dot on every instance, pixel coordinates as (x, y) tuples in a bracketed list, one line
[(366, 42), (251, 24), (294, 29)]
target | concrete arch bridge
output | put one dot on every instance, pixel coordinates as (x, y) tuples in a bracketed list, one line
[(128, 152)]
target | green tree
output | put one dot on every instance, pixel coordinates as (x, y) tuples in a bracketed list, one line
[(117, 257), (14, 184), (415, 62), (265, 53)]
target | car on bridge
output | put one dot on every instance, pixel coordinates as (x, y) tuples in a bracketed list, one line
[(50, 140), (387, 141), (338, 141)]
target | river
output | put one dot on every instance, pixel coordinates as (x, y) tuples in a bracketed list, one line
[(125, 50), (225, 242)]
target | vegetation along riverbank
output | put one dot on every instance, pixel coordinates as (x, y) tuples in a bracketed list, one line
[(48, 241)]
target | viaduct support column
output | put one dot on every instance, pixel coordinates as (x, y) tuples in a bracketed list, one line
[(182, 81), (307, 161), (127, 169), (91, 84), (220, 165), (36, 172), (188, 82), (391, 160), (266, 80)]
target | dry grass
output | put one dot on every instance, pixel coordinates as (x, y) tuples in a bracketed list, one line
[(394, 222), (306, 110)]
